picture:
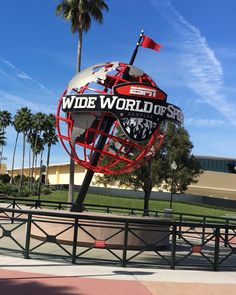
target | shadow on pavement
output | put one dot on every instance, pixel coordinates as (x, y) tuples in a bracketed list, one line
[(32, 287), (132, 273)]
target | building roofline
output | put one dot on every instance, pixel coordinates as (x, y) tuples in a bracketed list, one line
[(51, 165), (214, 158), (196, 156)]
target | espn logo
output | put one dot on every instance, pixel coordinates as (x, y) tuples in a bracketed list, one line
[(147, 92), (140, 90)]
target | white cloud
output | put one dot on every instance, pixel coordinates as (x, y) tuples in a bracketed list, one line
[(13, 102), (203, 71), (22, 75), (204, 122), (7, 63)]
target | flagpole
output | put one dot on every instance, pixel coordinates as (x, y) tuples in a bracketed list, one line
[(136, 48)]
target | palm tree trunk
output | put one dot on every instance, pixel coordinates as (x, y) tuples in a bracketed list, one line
[(72, 163), (1, 153), (35, 166), (32, 171), (79, 51), (40, 173), (33, 161), (13, 157), (29, 167), (23, 163), (47, 168)]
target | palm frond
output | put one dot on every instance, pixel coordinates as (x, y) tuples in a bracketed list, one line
[(81, 12), (2, 138)]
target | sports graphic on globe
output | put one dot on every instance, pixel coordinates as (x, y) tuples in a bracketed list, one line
[(112, 116)]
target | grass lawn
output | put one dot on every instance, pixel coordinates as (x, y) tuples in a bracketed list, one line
[(138, 203)]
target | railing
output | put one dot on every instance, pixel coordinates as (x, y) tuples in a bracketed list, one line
[(39, 233), (57, 205)]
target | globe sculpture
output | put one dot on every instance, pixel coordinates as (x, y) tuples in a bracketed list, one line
[(110, 118)]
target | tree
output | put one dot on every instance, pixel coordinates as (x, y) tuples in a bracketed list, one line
[(39, 150), (176, 147), (80, 14), (23, 122), (5, 120), (35, 140), (15, 124), (50, 138)]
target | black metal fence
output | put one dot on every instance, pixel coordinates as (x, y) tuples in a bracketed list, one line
[(180, 240), (19, 203)]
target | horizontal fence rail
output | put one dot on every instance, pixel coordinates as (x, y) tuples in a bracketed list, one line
[(57, 205), (158, 241)]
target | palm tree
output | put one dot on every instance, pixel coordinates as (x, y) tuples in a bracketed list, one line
[(2, 143), (30, 140), (5, 120), (15, 124), (22, 123), (34, 136), (38, 150), (50, 138), (80, 14)]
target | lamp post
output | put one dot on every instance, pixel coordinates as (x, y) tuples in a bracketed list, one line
[(41, 170), (173, 168), (1, 162)]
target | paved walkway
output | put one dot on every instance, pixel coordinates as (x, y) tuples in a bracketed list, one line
[(22, 277)]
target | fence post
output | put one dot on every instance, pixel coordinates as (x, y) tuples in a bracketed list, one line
[(180, 227), (217, 249), (203, 229), (125, 244), (13, 213), (75, 236), (226, 240), (173, 248), (27, 240)]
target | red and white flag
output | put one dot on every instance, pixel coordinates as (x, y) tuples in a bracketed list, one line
[(149, 43)]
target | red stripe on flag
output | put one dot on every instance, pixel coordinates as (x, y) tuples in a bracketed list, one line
[(149, 43)]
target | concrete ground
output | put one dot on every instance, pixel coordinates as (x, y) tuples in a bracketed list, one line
[(19, 276)]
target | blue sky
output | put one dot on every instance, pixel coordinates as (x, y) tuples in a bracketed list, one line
[(196, 66)]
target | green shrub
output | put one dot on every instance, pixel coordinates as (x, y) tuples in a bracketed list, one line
[(9, 189), (22, 194), (46, 191), (52, 188), (5, 178), (1, 188)]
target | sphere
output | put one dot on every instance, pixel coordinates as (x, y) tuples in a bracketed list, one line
[(95, 139)]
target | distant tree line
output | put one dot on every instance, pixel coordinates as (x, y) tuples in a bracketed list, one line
[(38, 134)]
